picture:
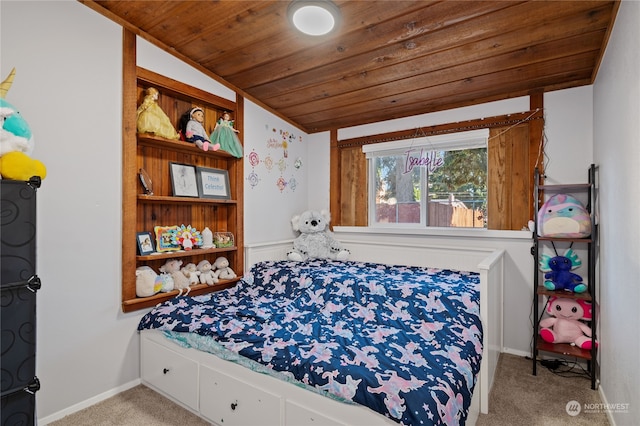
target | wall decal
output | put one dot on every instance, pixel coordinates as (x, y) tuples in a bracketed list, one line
[(274, 153)]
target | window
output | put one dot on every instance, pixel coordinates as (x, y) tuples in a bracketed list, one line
[(430, 181)]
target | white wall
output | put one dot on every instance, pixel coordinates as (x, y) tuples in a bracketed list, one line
[(282, 172), (569, 135), (617, 151), (68, 86)]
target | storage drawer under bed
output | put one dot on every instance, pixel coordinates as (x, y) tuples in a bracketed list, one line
[(170, 373)]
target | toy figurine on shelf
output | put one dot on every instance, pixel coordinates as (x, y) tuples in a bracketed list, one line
[(192, 128), (152, 119), (226, 135), (186, 236)]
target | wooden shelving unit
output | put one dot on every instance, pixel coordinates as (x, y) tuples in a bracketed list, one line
[(142, 212), (542, 294)]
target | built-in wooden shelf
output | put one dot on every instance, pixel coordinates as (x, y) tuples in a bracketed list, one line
[(154, 154), (138, 303)]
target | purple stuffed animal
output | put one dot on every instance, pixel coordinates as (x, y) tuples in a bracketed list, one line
[(558, 272)]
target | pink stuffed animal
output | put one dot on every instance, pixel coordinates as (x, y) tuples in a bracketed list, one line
[(564, 325)]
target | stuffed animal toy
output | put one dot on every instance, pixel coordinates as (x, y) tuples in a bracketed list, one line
[(16, 141), (563, 216), (558, 272), (315, 240), (564, 325), (207, 273), (17, 165), (166, 283), (191, 272), (147, 282), (223, 271), (180, 282)]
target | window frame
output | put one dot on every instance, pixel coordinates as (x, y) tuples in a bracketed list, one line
[(471, 139)]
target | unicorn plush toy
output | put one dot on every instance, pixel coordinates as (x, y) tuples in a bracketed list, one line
[(16, 141), (16, 133)]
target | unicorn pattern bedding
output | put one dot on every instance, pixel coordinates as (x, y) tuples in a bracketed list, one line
[(403, 341)]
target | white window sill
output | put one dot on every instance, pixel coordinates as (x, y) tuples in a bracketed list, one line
[(437, 232)]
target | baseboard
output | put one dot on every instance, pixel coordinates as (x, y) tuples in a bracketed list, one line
[(88, 402), (516, 352), (605, 403)]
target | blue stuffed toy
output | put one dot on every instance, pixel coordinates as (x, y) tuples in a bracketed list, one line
[(558, 274)]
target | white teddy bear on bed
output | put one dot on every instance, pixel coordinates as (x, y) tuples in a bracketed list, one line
[(316, 240)]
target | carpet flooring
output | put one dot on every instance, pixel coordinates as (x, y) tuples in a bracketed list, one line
[(520, 398)]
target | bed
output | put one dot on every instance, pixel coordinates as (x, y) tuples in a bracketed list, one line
[(315, 342)]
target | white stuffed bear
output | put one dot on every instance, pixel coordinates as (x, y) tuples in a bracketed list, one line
[(223, 270), (315, 240), (207, 273), (191, 272), (180, 282)]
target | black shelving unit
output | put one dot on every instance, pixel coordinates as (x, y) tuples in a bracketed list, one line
[(19, 284), (541, 295)]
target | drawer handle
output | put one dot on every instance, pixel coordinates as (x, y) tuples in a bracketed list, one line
[(234, 405), (165, 370)]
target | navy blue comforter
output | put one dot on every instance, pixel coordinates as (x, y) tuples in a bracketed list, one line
[(404, 341)]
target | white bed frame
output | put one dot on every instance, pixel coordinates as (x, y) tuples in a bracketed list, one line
[(228, 394)]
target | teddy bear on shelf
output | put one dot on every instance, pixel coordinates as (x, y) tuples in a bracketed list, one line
[(564, 325), (207, 273), (180, 282), (316, 240), (558, 275), (191, 272), (223, 270)]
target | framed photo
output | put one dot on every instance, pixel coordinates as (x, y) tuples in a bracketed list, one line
[(183, 180), (213, 183), (145, 243), (163, 238), (223, 239)]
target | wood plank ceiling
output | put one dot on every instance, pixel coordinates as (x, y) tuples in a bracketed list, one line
[(388, 59)]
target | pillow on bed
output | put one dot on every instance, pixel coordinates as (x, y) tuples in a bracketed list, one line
[(563, 216)]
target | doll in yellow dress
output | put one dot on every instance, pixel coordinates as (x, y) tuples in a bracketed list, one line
[(152, 119), (226, 135)]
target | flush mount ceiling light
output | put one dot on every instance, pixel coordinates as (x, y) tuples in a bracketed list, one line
[(314, 17)]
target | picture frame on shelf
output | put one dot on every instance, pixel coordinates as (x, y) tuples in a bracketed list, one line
[(223, 239), (163, 238), (213, 183), (145, 243), (183, 180)]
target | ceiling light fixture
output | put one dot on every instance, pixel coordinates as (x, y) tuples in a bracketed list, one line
[(314, 17)]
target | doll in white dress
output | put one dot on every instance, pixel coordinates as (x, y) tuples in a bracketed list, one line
[(192, 126)]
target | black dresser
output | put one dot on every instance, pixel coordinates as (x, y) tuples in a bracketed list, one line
[(19, 285)]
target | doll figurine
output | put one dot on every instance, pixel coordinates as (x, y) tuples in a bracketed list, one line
[(225, 135), (152, 119), (192, 126)]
